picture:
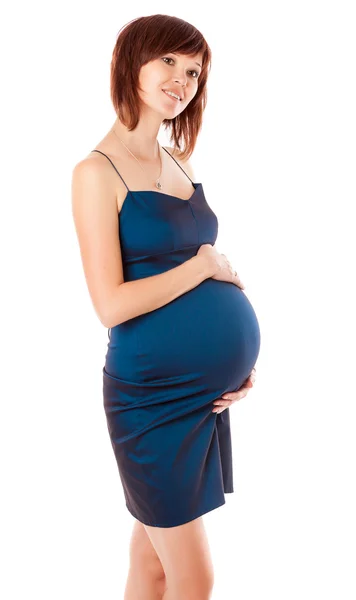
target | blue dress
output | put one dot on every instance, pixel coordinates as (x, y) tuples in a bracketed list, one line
[(164, 369)]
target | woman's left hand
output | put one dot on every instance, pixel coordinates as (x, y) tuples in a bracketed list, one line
[(229, 398)]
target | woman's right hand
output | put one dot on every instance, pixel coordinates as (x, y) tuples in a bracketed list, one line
[(219, 266)]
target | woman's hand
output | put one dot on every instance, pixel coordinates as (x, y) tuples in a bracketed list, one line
[(219, 266), (231, 397)]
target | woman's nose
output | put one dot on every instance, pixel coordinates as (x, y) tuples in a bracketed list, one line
[(181, 78)]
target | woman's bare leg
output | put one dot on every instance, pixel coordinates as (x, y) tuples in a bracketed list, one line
[(185, 557), (146, 578)]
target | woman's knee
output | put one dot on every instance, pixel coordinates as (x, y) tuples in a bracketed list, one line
[(199, 587)]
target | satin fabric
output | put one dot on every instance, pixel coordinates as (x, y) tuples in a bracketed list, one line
[(164, 369)]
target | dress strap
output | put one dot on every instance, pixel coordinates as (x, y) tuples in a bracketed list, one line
[(113, 166), (177, 164)]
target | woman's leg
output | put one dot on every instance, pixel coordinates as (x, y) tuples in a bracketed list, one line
[(146, 578), (185, 556)]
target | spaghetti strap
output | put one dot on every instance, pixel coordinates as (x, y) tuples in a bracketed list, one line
[(177, 163), (113, 166)]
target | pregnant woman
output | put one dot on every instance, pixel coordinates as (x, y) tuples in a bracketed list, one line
[(182, 332)]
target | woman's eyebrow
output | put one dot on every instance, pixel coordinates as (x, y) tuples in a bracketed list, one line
[(195, 61)]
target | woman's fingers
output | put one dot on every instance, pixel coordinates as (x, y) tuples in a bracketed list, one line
[(229, 398)]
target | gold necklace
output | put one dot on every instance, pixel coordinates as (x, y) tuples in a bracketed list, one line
[(157, 183)]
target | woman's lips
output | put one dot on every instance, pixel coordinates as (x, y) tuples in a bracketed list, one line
[(171, 97)]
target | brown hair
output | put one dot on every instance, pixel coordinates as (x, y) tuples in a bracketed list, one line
[(141, 40)]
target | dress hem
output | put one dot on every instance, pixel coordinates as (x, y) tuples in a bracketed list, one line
[(181, 522)]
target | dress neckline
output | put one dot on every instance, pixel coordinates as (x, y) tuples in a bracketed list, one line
[(170, 196), (195, 185)]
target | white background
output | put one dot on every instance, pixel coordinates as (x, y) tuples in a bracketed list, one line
[(277, 160)]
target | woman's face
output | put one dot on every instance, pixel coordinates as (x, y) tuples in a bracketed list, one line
[(171, 72)]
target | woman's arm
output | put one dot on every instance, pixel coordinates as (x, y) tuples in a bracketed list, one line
[(94, 207)]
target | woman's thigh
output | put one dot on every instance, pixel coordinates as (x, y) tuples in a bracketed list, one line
[(143, 555), (185, 555)]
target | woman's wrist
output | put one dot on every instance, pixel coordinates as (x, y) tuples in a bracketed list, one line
[(204, 265)]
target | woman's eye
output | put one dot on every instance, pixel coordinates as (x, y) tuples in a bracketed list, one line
[(168, 58)]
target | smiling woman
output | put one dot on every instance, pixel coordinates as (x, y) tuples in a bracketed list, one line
[(182, 331), (178, 50)]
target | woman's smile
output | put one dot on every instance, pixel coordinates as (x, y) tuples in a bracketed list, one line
[(171, 97)]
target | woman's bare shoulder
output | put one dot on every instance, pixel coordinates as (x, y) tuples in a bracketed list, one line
[(100, 167)]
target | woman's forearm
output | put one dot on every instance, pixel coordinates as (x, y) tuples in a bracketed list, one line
[(134, 298)]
